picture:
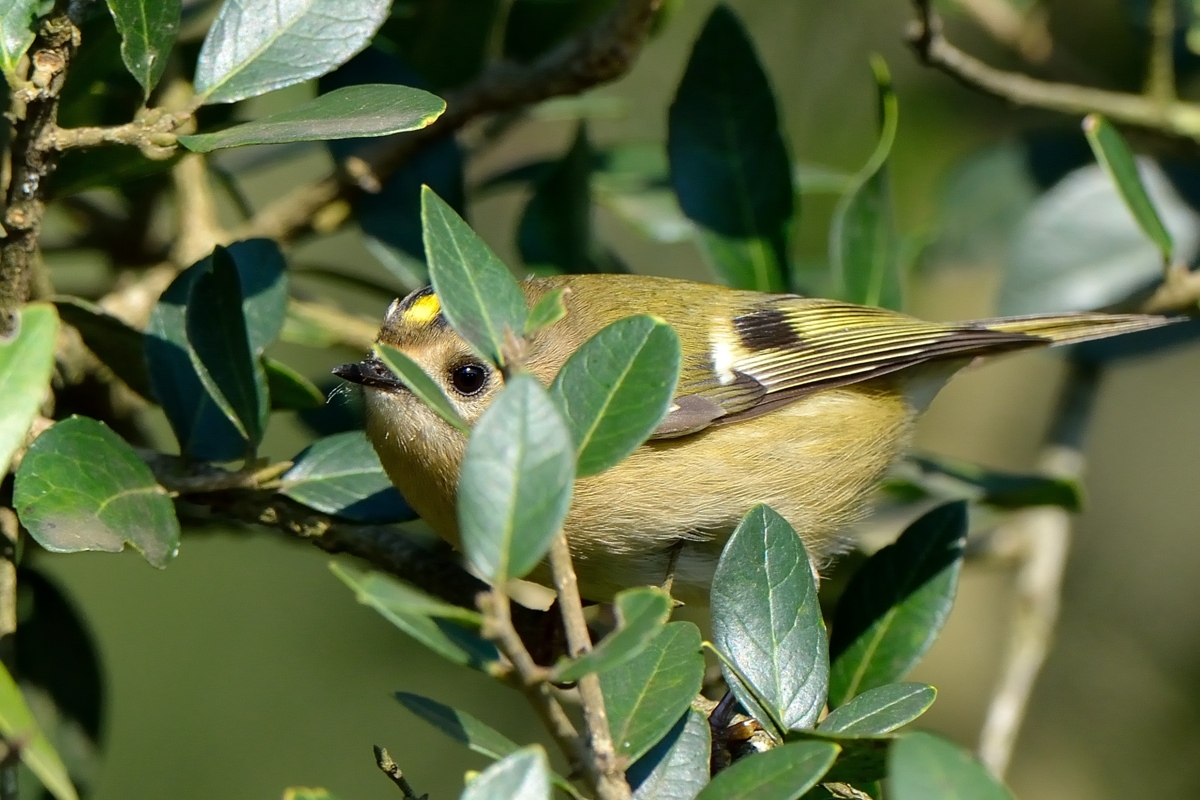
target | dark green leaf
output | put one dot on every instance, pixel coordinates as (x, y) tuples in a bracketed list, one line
[(646, 696), (26, 362), (556, 226), (781, 773), (924, 767), (864, 246), (1113, 154), (677, 767), (616, 389), (16, 30), (419, 383), (222, 356), (117, 345), (514, 487), (729, 165), (148, 29), (341, 475), (767, 620), (522, 775), (478, 294), (202, 429), (1008, 490), (18, 725), (255, 46), (466, 729), (545, 312), (641, 614), (370, 110), (896, 603), (448, 630), (81, 487), (289, 390), (863, 759), (1078, 248), (880, 710)]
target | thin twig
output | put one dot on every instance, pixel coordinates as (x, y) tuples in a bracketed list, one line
[(612, 785), (1175, 118), (599, 54), (1039, 540), (388, 765), (1160, 72)]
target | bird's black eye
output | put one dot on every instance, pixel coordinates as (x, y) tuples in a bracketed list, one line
[(469, 379)]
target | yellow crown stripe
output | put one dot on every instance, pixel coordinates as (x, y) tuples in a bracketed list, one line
[(423, 311)]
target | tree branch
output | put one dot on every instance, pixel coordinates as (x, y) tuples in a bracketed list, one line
[(600, 54), (1174, 117), (33, 158)]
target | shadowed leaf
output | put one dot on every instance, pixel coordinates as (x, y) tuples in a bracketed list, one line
[(677, 767), (922, 766)]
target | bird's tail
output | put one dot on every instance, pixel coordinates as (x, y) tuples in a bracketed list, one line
[(1075, 328)]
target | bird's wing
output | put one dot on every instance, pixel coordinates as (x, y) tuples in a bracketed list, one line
[(788, 347)]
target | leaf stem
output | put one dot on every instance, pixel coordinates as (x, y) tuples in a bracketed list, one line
[(1160, 71), (610, 780)]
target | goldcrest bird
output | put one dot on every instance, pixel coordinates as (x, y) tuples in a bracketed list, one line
[(796, 402)]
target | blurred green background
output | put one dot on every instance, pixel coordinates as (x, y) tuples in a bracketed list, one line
[(247, 667)]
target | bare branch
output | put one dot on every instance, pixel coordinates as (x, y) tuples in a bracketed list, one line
[(1175, 118), (389, 767), (600, 54)]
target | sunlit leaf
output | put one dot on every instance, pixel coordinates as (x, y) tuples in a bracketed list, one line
[(289, 390), (19, 729), (355, 111), (880, 710), (548, 310), (148, 29), (255, 46), (677, 767), (616, 389), (781, 773), (522, 775), (415, 379), (81, 487), (641, 613), (514, 487), (646, 695), (478, 294), (341, 475), (16, 30), (26, 362), (767, 620)]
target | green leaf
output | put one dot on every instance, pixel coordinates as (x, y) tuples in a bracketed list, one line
[(119, 346), (922, 766), (767, 620), (514, 487), (523, 775), (417, 381), (556, 226), (677, 767), (729, 165), (862, 759), (26, 363), (545, 312), (1078, 248), (1113, 154), (17, 18), (781, 773), (864, 246), (641, 614), (289, 390), (368, 110), (448, 630), (880, 710), (200, 426), (18, 727), (148, 29), (255, 46), (646, 695), (896, 603), (81, 487), (616, 389), (220, 348), (341, 475), (307, 793), (1008, 490), (477, 293)]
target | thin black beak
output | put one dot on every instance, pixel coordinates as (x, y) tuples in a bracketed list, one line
[(369, 372)]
